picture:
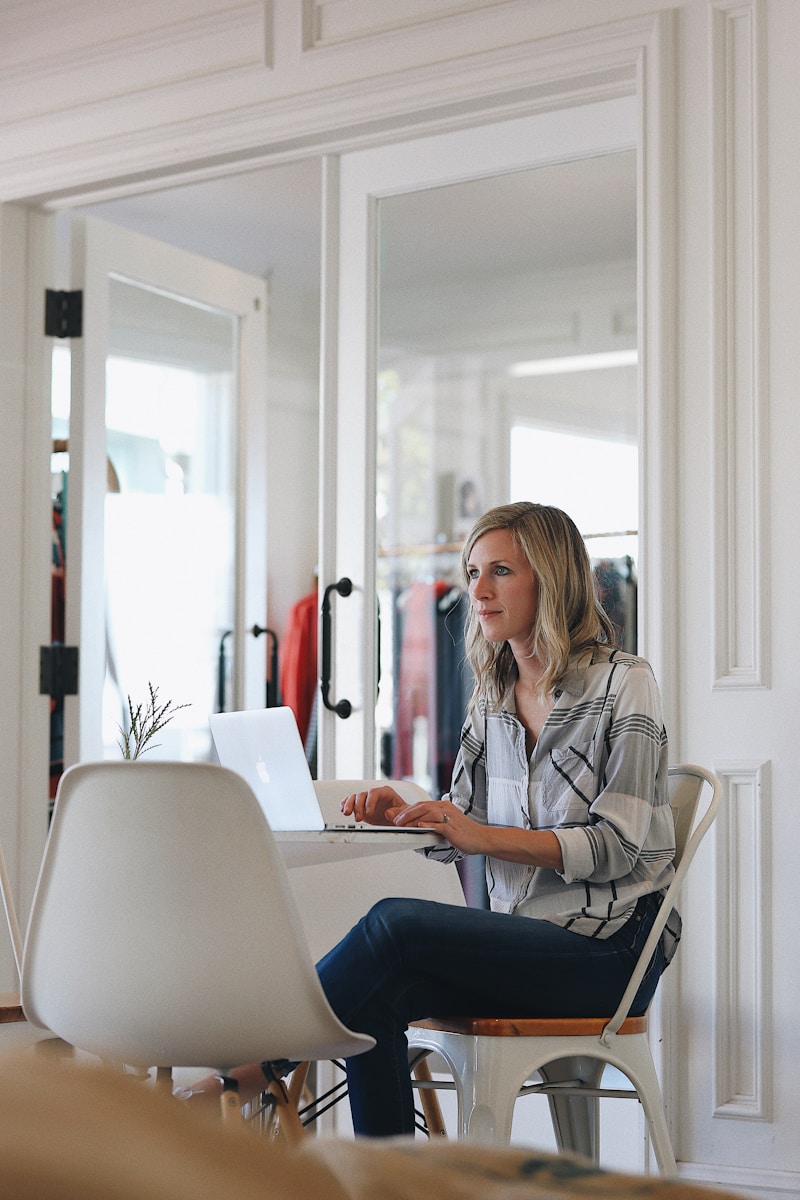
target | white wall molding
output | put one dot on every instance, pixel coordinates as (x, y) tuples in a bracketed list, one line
[(200, 126), (742, 1034), (328, 23), (180, 51), (739, 324)]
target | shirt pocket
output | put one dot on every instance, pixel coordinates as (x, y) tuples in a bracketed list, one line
[(568, 785)]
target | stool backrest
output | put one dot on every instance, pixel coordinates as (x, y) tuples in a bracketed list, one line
[(686, 785)]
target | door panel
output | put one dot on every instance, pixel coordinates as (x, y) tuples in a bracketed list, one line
[(395, 533), (166, 540)]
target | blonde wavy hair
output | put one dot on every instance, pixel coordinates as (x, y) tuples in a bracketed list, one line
[(569, 616)]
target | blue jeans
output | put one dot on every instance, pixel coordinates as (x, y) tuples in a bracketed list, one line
[(408, 959)]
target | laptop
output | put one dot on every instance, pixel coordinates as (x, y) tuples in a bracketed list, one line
[(263, 745)]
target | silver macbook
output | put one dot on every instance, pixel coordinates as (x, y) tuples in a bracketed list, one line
[(263, 745)]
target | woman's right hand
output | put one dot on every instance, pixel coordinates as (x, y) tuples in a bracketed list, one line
[(378, 806)]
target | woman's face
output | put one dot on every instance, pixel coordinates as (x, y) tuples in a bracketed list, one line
[(503, 589)]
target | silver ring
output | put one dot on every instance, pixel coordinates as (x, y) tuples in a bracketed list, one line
[(445, 818)]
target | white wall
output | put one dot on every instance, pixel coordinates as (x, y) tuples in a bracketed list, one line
[(90, 104)]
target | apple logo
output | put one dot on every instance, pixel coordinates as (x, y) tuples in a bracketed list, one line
[(261, 770)]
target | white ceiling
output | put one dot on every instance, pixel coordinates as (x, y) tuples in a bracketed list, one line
[(267, 222), (261, 222)]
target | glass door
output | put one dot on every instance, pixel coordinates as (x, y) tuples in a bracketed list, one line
[(163, 500), (463, 258)]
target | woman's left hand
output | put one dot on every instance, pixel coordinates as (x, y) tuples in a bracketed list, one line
[(449, 821)]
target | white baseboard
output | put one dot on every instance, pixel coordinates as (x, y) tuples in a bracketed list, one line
[(754, 1183)]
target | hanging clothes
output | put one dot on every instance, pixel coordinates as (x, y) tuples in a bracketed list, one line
[(615, 579), (298, 662), (415, 672), (433, 681), (454, 682)]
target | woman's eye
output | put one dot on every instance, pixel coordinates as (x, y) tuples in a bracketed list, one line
[(502, 570)]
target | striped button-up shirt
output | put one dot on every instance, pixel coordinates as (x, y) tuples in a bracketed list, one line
[(597, 778)]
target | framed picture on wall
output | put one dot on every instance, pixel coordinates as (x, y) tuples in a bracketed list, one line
[(467, 504)]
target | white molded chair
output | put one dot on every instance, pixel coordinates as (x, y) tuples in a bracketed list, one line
[(163, 930), (491, 1059)]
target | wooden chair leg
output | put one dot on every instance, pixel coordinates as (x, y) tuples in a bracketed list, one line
[(285, 1102), (290, 1127), (429, 1100), (230, 1108), (297, 1083)]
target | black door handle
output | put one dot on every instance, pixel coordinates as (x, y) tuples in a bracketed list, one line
[(342, 708), (273, 695)]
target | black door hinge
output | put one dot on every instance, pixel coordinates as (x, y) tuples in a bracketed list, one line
[(58, 671), (63, 314)]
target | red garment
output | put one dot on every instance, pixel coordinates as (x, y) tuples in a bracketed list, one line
[(298, 660), (416, 684)]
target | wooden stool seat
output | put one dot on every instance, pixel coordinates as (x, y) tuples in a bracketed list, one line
[(10, 1008), (530, 1026)]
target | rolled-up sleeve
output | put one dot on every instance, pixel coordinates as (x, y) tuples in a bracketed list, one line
[(630, 829)]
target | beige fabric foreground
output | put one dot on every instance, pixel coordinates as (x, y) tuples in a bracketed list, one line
[(82, 1132)]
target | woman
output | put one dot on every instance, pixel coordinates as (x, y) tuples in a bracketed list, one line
[(560, 782)]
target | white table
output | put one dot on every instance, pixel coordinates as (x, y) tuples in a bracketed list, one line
[(310, 847)]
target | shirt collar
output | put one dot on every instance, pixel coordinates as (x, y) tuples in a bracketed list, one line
[(574, 678), (573, 681)]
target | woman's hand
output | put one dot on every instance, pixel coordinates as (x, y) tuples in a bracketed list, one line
[(378, 806), (533, 847), (383, 806), (445, 818)]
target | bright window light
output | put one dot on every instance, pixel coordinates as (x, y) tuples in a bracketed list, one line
[(594, 480), (575, 362)]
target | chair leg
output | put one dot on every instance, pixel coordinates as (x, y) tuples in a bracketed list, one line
[(429, 1100), (290, 1126), (230, 1108), (297, 1083), (575, 1118), (641, 1070), (229, 1105), (486, 1098)]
